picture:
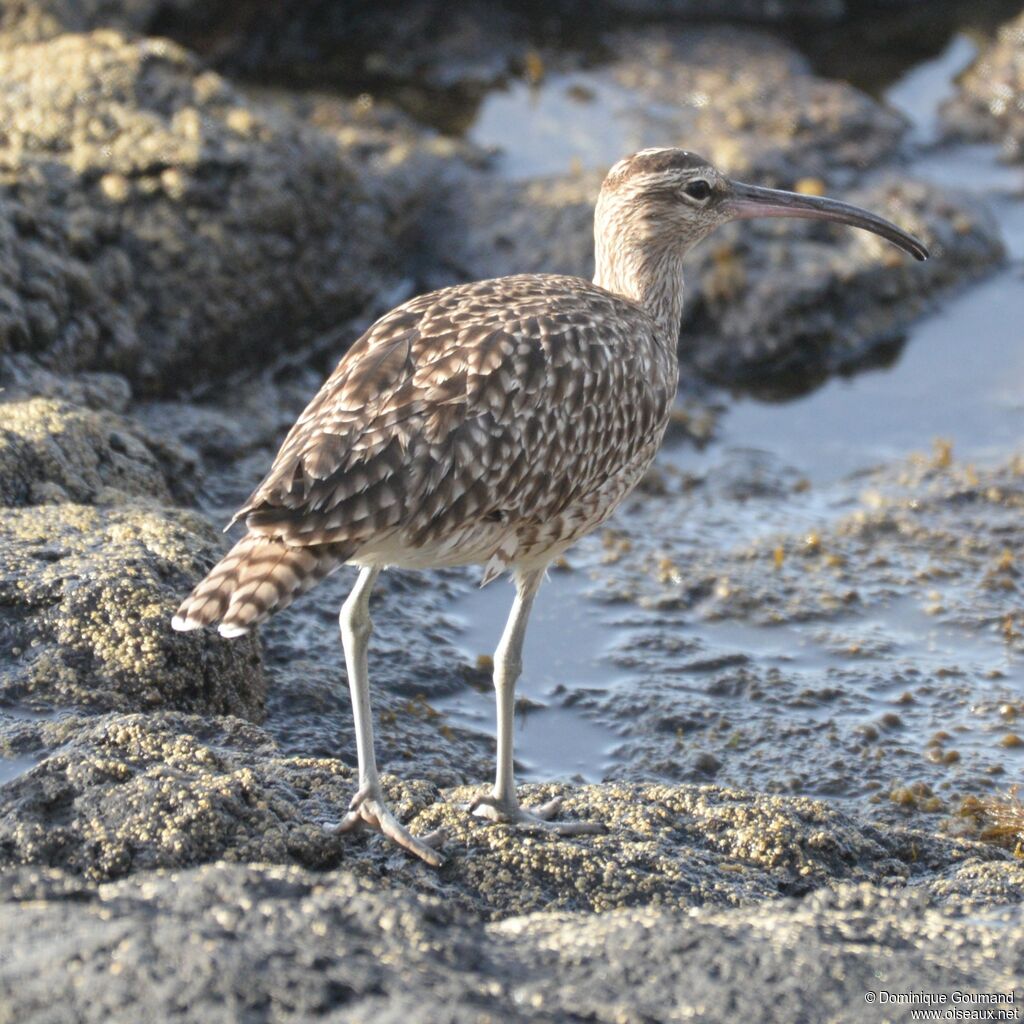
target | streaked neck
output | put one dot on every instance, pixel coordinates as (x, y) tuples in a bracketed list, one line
[(651, 278)]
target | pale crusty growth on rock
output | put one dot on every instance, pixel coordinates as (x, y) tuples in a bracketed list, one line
[(85, 594), (158, 223), (136, 792), (988, 104), (51, 451)]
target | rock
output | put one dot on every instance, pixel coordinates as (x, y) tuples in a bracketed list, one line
[(86, 597), (140, 791), (455, 49), (87, 592), (127, 793), (746, 10), (42, 19), (495, 227), (33, 20), (668, 845), (22, 377), (405, 165), (245, 940), (748, 103), (989, 105), (156, 223), (438, 56), (52, 451)]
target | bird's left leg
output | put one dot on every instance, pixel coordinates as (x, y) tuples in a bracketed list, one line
[(502, 804), (368, 807)]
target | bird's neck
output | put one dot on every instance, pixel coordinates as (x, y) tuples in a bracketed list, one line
[(651, 278)]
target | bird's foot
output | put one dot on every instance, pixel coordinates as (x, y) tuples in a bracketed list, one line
[(368, 810), (508, 810)]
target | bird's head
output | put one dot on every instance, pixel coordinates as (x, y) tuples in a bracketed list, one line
[(666, 200)]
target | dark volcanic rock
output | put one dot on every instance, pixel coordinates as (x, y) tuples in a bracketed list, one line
[(154, 222), (93, 564), (737, 10), (247, 941), (989, 105), (86, 596), (452, 49), (28, 20), (22, 377), (126, 793), (131, 792), (748, 103), (52, 451)]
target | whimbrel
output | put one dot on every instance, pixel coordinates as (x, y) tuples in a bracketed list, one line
[(492, 423)]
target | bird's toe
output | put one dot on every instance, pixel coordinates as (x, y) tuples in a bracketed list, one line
[(509, 812), (368, 810)]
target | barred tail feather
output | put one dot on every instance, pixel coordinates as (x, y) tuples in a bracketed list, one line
[(257, 577)]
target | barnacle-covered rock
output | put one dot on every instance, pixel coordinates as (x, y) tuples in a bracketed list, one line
[(155, 222), (989, 104), (86, 596), (52, 451)]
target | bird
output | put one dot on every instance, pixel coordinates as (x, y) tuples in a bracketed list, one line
[(491, 423)]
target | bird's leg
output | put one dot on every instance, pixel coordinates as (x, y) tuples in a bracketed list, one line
[(368, 807), (502, 804)]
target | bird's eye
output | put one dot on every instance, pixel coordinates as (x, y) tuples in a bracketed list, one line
[(698, 189)]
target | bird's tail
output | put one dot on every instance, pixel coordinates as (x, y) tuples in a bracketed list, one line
[(257, 577)]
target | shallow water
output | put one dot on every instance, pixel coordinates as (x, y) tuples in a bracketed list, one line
[(884, 414), (950, 381), (568, 647), (12, 767), (568, 121)]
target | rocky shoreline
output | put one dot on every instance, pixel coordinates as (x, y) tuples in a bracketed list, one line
[(182, 257)]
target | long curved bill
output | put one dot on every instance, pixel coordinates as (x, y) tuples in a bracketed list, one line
[(748, 201)]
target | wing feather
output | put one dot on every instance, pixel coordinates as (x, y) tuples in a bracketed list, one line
[(510, 397)]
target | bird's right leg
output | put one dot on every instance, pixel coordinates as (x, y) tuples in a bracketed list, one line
[(368, 807), (502, 804)]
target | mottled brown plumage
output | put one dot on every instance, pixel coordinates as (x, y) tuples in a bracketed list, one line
[(480, 423), (491, 423)]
